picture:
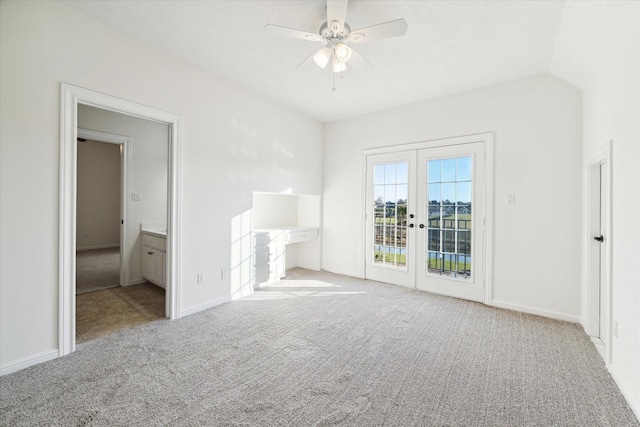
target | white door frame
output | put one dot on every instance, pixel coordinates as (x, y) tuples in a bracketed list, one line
[(70, 97), (125, 189), (591, 302), (487, 141)]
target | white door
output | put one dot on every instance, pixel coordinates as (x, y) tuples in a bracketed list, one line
[(450, 234), (424, 219), (390, 213)]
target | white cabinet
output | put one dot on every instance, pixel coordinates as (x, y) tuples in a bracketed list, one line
[(270, 250), (269, 255), (154, 259)]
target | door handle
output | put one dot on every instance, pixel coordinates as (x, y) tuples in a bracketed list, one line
[(411, 225), (599, 238), (421, 225)]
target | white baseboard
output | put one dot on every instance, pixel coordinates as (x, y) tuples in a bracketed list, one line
[(137, 281), (306, 266), (25, 362), (626, 391), (201, 307), (90, 248), (536, 311), (343, 272)]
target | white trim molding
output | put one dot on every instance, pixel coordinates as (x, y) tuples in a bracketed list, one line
[(70, 97), (536, 311), (198, 308), (25, 362)]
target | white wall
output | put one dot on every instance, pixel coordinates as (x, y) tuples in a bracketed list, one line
[(234, 143), (149, 179), (537, 122), (598, 50), (98, 195)]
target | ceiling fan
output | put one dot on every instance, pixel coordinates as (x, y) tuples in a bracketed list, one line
[(336, 36)]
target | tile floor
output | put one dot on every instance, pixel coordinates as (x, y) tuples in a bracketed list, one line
[(104, 312)]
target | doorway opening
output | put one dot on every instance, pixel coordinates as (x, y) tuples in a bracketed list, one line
[(71, 98), (598, 293), (108, 298)]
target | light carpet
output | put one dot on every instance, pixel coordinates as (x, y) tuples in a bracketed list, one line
[(97, 269), (322, 349)]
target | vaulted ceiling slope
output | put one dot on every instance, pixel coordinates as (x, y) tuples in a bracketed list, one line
[(450, 46)]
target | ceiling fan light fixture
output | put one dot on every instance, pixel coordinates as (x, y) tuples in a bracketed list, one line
[(322, 57), (338, 66), (343, 52)]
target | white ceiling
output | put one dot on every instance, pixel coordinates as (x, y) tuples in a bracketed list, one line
[(450, 46)]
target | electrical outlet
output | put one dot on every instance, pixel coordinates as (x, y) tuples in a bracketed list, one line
[(615, 328), (86, 235), (354, 256), (223, 274), (511, 199), (200, 278)]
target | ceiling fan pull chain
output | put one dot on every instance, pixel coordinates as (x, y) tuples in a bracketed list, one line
[(334, 82)]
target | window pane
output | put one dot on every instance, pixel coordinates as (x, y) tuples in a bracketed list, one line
[(402, 173), (401, 193), (390, 194), (464, 242), (433, 194), (448, 170), (378, 194), (433, 240), (463, 192), (464, 217), (464, 169), (390, 173), (378, 174), (448, 194), (433, 170)]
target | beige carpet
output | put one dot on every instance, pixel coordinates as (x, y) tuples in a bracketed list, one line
[(97, 269), (323, 350)]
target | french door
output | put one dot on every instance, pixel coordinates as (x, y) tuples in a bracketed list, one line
[(424, 220)]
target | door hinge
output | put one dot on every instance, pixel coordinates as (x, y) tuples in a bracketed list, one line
[(122, 221)]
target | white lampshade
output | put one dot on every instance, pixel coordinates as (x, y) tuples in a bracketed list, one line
[(343, 52), (338, 66), (322, 57)]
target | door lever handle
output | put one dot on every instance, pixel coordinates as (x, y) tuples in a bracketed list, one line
[(599, 238)]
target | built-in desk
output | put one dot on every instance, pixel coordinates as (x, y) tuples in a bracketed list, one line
[(270, 250)]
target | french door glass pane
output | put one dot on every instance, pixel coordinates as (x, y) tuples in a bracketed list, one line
[(449, 226), (390, 194)]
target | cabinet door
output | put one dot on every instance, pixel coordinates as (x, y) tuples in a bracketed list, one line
[(147, 262)]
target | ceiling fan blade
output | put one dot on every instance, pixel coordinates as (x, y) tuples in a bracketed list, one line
[(359, 55), (336, 11), (290, 32), (381, 31)]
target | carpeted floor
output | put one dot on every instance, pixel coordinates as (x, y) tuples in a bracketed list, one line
[(322, 349), (97, 269)]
